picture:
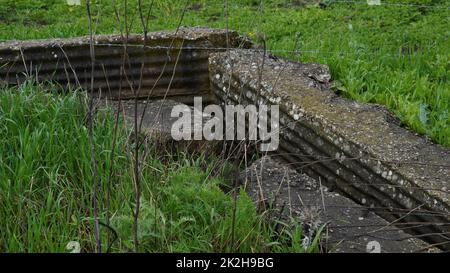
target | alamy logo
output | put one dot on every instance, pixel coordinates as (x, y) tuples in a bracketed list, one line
[(257, 123)]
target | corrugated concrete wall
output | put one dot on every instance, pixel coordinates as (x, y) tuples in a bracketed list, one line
[(166, 69)]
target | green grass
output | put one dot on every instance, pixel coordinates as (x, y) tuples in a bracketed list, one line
[(392, 55), (46, 185)]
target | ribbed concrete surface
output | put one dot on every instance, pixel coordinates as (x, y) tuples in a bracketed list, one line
[(358, 149), (166, 69)]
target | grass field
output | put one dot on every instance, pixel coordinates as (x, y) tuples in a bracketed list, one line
[(394, 55)]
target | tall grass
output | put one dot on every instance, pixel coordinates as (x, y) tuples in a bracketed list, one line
[(45, 168), (45, 186)]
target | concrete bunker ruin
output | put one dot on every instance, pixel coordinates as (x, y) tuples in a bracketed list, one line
[(357, 150)]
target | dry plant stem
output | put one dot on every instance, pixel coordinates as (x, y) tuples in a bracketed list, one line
[(235, 196), (113, 148), (169, 85), (98, 246), (165, 64), (233, 223), (116, 124), (136, 177), (144, 21)]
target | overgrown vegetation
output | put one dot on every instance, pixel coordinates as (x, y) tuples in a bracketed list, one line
[(395, 55), (46, 180)]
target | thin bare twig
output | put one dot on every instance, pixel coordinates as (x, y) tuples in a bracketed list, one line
[(98, 247)]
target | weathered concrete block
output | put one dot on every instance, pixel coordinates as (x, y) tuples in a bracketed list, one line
[(173, 73), (357, 148)]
